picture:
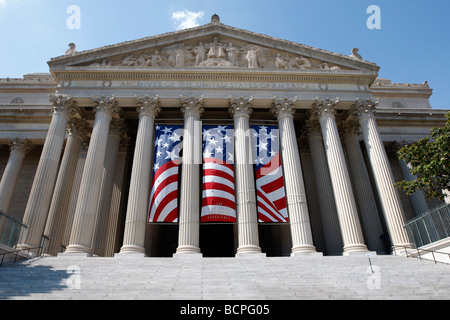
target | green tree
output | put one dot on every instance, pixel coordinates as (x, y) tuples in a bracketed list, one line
[(429, 159)]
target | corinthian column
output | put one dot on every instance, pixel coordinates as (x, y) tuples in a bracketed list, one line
[(116, 131), (245, 182), (88, 197), (352, 235), (189, 232), (302, 241), (138, 197), (365, 198), (57, 216), (390, 199), (327, 204), (18, 149), (40, 196)]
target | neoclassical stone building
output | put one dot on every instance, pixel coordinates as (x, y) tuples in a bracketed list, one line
[(80, 148)]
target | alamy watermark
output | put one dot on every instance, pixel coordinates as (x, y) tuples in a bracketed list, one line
[(74, 280), (374, 20), (74, 20)]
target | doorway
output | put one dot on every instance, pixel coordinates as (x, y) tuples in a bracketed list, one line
[(217, 240)]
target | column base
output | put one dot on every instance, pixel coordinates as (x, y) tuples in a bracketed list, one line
[(188, 250), (78, 250), (130, 250), (303, 249), (355, 248), (248, 249)]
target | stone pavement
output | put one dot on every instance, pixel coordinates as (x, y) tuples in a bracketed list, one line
[(253, 278)]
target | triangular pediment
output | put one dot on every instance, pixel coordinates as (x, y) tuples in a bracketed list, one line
[(213, 45)]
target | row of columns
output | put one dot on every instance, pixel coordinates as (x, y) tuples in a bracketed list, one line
[(108, 112)]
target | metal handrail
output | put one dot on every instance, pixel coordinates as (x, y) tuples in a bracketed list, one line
[(425, 250), (17, 253)]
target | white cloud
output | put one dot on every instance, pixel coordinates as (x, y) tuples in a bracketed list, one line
[(185, 19), (3, 3)]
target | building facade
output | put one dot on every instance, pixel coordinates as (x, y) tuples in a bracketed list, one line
[(306, 135)]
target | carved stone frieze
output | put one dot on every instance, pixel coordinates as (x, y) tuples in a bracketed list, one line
[(226, 53)]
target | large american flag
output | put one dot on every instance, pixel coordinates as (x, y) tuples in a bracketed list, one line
[(270, 192), (218, 197), (164, 195)]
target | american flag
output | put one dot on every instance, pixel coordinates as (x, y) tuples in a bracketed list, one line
[(164, 195), (218, 198), (270, 192)]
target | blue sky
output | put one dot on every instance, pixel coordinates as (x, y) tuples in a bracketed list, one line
[(413, 44)]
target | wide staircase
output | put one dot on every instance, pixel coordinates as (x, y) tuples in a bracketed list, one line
[(253, 278)]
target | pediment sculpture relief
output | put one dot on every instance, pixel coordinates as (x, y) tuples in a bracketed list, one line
[(221, 55)]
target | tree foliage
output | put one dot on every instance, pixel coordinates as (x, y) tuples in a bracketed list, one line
[(429, 160)]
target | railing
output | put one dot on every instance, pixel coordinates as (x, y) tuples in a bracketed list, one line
[(416, 253), (16, 253), (10, 230), (432, 226)]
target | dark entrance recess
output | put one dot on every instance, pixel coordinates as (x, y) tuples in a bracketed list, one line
[(161, 239), (275, 239), (217, 240)]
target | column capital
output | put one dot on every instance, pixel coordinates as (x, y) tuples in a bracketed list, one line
[(191, 106), (79, 127), (20, 144), (241, 107), (107, 104), (118, 127), (362, 108), (313, 128), (66, 104), (349, 128), (283, 107), (324, 107), (148, 106)]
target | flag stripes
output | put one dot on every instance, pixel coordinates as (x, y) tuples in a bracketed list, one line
[(218, 196), (163, 205), (270, 194)]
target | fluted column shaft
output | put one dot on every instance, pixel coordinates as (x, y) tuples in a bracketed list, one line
[(18, 149), (302, 240), (327, 203), (389, 196), (40, 196), (352, 235), (189, 215), (365, 198), (138, 197), (88, 197), (245, 182), (116, 130), (57, 217)]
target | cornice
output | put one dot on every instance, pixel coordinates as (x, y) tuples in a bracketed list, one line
[(193, 74)]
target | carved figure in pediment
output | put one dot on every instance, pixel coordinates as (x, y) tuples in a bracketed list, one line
[(179, 58), (232, 54), (200, 52), (281, 62), (301, 63), (129, 61), (216, 50), (154, 60), (105, 63), (252, 58), (324, 66)]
